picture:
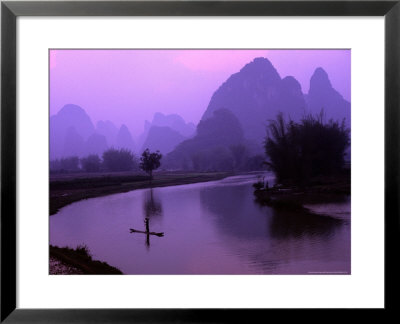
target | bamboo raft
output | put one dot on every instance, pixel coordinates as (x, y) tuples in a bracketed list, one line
[(148, 233)]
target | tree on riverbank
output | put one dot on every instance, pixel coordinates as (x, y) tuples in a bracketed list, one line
[(118, 160), (300, 151), (91, 163), (150, 161), (67, 164)]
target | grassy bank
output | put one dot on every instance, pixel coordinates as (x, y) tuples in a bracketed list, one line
[(68, 188), (81, 259)]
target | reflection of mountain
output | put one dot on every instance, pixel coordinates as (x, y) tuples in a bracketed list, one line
[(271, 240), (235, 215), (231, 207), (285, 224)]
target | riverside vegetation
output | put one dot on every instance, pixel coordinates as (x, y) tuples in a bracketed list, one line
[(308, 160)]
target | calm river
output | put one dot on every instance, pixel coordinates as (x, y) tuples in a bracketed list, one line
[(210, 228)]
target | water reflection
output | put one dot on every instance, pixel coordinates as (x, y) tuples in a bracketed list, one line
[(273, 240), (287, 224), (212, 228), (234, 213), (152, 209), (152, 206)]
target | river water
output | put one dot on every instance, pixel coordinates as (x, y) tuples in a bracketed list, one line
[(209, 228)]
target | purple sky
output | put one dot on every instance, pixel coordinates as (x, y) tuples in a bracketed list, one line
[(129, 86)]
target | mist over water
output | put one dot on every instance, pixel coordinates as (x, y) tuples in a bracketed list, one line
[(209, 228)]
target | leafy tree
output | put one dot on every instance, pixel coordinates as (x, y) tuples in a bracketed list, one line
[(66, 164), (150, 161), (118, 160), (300, 151), (91, 163), (55, 166), (70, 163)]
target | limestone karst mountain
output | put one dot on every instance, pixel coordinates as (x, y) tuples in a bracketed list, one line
[(209, 148), (72, 134), (163, 139), (165, 132), (124, 139), (70, 116), (175, 122), (323, 96), (108, 130), (95, 144), (257, 94), (237, 114)]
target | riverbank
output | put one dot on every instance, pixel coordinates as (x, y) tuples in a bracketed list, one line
[(77, 261), (68, 188), (295, 197), (56, 267)]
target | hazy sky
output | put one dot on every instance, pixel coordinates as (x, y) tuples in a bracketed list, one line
[(129, 86)]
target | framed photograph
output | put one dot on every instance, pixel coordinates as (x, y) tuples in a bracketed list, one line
[(190, 161)]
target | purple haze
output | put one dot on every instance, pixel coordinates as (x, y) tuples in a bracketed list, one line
[(130, 86)]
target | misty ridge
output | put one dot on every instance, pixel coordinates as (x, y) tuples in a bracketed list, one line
[(230, 136)]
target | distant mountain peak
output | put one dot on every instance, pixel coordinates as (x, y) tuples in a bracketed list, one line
[(254, 95), (124, 128), (320, 80), (124, 139), (322, 96), (71, 108), (290, 81), (68, 129), (104, 123), (261, 64), (162, 138)]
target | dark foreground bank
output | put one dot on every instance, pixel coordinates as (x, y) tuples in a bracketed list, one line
[(66, 189), (77, 261)]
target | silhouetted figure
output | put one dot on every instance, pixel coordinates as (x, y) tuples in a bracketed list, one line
[(146, 222), (147, 226)]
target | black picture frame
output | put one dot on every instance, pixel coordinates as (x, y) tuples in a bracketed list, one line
[(10, 10)]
